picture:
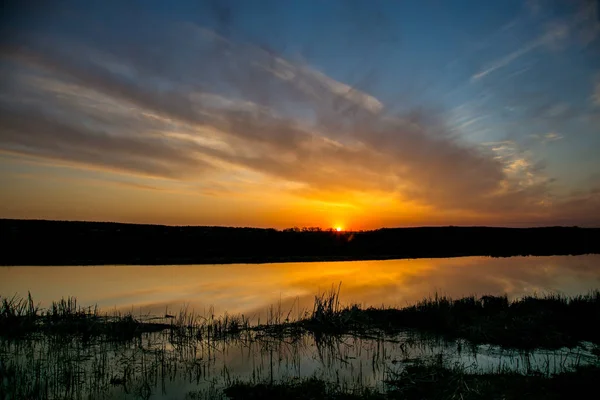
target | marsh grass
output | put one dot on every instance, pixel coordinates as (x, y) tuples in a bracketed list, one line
[(193, 353), (17, 315), (20, 317), (549, 321)]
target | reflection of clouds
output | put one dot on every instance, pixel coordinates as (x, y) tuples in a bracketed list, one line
[(291, 287)]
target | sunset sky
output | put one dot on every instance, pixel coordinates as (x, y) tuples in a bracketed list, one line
[(359, 114)]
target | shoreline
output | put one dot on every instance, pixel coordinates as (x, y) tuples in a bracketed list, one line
[(272, 260)]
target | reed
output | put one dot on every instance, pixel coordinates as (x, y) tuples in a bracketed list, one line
[(547, 321)]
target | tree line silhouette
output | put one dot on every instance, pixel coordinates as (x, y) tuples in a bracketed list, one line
[(34, 242)]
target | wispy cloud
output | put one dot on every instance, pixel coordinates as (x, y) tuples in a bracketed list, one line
[(548, 137), (552, 137), (219, 109), (556, 33), (90, 113), (519, 167), (579, 27), (596, 92), (506, 60)]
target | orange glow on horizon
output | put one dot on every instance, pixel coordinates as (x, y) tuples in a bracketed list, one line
[(94, 195)]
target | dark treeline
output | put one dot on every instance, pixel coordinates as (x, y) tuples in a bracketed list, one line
[(29, 242)]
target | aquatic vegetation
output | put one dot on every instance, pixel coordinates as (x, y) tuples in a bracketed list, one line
[(549, 321), (343, 352), (20, 317)]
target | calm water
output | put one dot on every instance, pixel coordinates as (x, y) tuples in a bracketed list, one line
[(250, 288), (160, 366)]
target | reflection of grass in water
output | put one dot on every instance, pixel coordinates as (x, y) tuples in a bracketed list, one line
[(47, 368), (433, 381), (307, 389)]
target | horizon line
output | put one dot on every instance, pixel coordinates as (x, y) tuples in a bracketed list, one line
[(299, 227)]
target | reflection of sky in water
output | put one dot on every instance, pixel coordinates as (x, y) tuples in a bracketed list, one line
[(250, 289)]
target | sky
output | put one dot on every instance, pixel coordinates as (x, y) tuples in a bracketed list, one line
[(280, 113)]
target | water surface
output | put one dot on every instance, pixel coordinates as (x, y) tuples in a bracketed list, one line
[(251, 288), (164, 366)]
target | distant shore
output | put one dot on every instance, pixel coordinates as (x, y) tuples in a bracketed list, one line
[(33, 242)]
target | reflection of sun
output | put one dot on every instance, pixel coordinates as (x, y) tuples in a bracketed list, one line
[(338, 228)]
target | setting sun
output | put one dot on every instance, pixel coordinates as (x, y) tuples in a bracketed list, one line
[(338, 228)]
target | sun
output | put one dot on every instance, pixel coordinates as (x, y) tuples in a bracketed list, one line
[(338, 228)]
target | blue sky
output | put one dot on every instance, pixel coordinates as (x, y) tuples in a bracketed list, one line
[(451, 111)]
